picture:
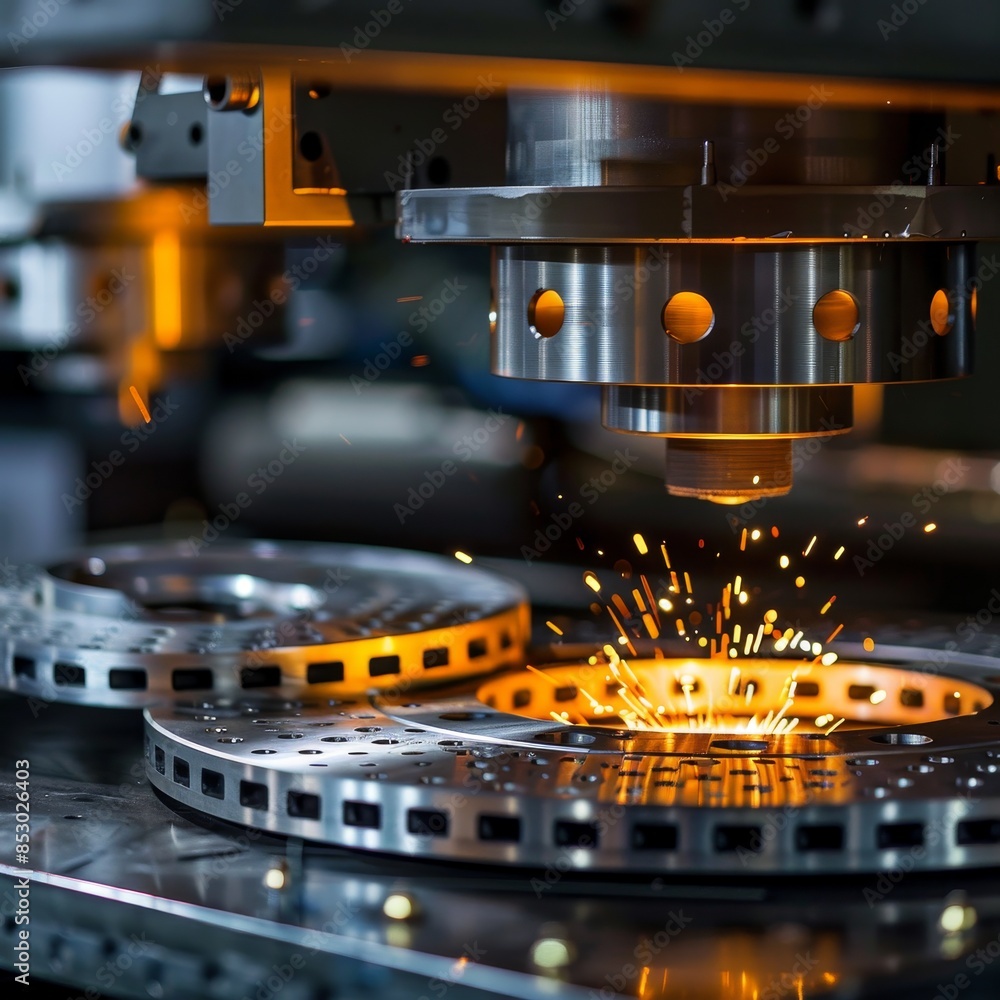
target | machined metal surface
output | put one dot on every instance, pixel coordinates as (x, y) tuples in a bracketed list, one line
[(112, 863), (763, 299), (729, 470), (593, 136), (890, 211), (639, 46), (462, 777), (132, 625), (809, 265), (649, 245), (789, 411)]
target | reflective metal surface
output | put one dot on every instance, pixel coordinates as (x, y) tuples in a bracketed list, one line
[(132, 625), (763, 299), (729, 470), (113, 863), (692, 246), (694, 411), (890, 211), (593, 136), (728, 444), (461, 777)]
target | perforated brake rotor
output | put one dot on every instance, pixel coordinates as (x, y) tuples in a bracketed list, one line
[(458, 778), (134, 625)]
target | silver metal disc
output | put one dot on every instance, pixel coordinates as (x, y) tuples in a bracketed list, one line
[(133, 625), (455, 777)]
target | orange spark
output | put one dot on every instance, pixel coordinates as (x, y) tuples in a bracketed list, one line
[(139, 403)]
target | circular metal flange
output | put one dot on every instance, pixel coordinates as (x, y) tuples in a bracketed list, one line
[(697, 411), (593, 166), (726, 213), (462, 777), (592, 135), (764, 304), (132, 625)]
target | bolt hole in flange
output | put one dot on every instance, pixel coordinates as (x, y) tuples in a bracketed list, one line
[(546, 313), (687, 317), (836, 316), (942, 314), (311, 146)]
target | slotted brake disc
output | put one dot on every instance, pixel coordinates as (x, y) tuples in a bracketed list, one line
[(486, 774), (133, 625)]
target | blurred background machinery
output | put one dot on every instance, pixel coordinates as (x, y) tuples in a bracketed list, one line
[(728, 226), (368, 347)]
